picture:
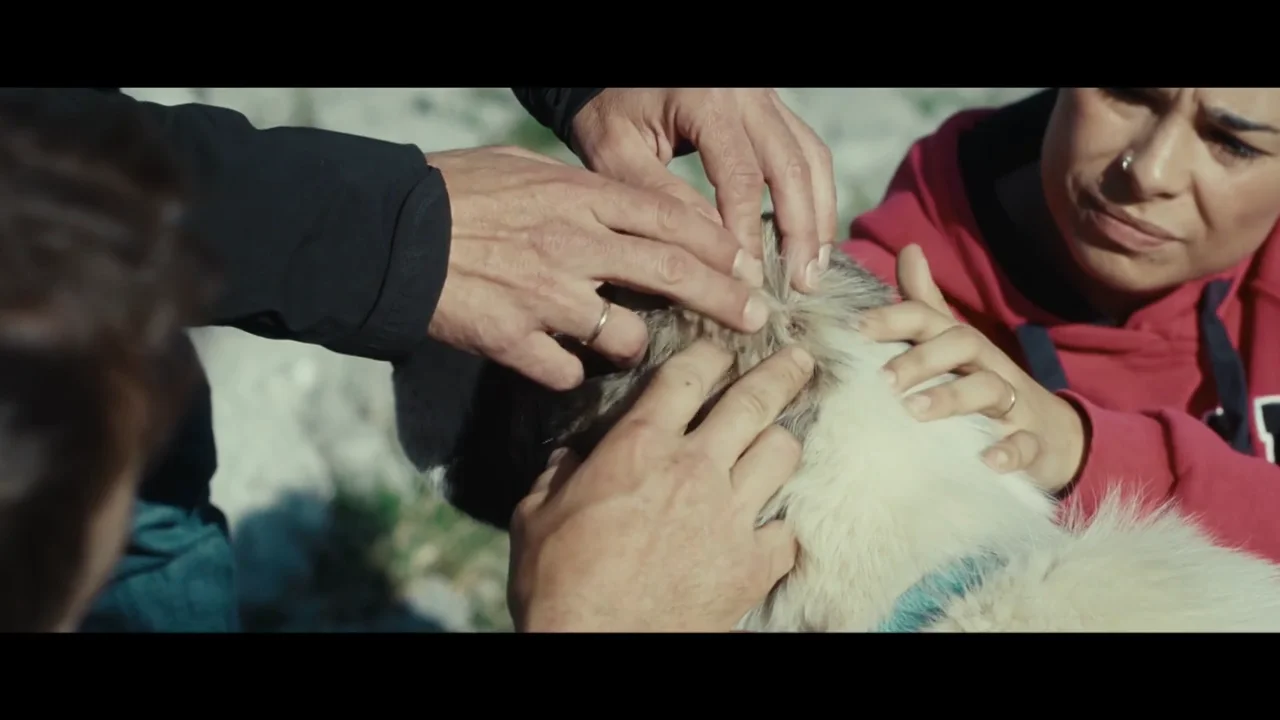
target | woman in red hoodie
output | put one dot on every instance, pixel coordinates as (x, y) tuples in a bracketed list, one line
[(1106, 275)]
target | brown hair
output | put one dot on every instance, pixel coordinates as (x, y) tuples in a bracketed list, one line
[(97, 278)]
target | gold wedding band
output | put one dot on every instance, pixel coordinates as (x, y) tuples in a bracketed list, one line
[(604, 318)]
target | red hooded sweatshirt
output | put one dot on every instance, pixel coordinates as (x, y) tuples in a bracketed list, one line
[(1181, 402)]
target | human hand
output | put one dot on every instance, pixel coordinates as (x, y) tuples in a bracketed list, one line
[(1046, 435), (655, 530), (534, 238), (746, 138)]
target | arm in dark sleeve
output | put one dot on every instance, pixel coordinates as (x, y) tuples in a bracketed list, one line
[(556, 108), (324, 238)]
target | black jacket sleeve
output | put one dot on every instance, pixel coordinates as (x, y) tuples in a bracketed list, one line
[(555, 108), (323, 237)]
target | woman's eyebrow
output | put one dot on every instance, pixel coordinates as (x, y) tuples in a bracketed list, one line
[(1232, 121)]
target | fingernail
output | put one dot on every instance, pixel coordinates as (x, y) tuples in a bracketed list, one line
[(997, 459), (824, 258), (556, 456), (748, 269), (812, 273), (917, 404), (755, 314), (803, 359)]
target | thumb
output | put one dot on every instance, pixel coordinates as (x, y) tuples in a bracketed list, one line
[(916, 281), (634, 163), (778, 549)]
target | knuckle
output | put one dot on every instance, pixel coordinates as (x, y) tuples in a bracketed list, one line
[(674, 266), (555, 242), (505, 335), (667, 212), (753, 403), (693, 463), (745, 183), (944, 397), (823, 154), (796, 171), (638, 432), (679, 373), (965, 337), (544, 285), (524, 512)]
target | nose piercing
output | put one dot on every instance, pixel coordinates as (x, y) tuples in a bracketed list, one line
[(1126, 161)]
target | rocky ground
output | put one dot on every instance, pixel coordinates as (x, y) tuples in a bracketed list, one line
[(331, 526)]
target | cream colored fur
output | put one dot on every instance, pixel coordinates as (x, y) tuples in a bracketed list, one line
[(882, 499)]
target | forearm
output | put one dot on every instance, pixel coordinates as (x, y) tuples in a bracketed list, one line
[(322, 237), (1166, 456)]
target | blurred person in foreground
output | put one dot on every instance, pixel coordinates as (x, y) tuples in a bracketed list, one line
[(1108, 283), (97, 281), (369, 248)]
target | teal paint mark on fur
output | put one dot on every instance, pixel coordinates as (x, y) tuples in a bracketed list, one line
[(926, 601)]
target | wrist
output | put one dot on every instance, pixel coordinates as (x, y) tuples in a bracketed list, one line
[(1075, 442)]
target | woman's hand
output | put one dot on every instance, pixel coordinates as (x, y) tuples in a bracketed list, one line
[(747, 138), (655, 531), (1046, 434)]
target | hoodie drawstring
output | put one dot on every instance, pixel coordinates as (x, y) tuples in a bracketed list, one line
[(1228, 369)]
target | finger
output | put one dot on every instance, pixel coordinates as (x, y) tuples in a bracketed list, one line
[(680, 386), (559, 462), (778, 551), (669, 271), (916, 282), (821, 173), (766, 466), (611, 330), (659, 216), (543, 360), (982, 392), (561, 466), (733, 170), (635, 164), (907, 321), (959, 349), (786, 171), (1016, 452), (751, 404), (560, 457)]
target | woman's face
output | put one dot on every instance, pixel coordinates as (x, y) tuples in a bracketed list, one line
[(1200, 192)]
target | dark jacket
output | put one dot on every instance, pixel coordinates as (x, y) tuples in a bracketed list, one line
[(322, 237)]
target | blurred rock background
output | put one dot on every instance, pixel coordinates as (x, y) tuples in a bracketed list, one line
[(332, 528)]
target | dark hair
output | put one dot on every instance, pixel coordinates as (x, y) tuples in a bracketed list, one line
[(97, 279)]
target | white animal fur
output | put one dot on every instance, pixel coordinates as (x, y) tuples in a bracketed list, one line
[(881, 500)]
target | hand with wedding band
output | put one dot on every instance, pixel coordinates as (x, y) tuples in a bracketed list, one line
[(533, 240), (1045, 432)]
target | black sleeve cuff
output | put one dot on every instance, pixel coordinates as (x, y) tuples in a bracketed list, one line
[(556, 108), (415, 274)]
